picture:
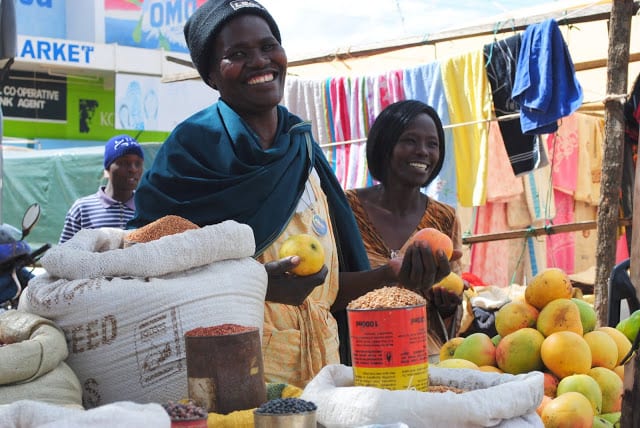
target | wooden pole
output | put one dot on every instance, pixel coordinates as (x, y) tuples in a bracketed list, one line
[(608, 210), (617, 77)]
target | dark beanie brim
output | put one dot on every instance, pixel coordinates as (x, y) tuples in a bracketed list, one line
[(205, 23)]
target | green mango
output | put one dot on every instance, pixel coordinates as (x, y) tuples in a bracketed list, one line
[(600, 422), (588, 315), (630, 326), (613, 417)]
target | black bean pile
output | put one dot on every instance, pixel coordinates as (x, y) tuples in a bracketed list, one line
[(280, 406), (184, 411)]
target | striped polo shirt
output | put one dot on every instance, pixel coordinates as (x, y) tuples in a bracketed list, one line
[(95, 211)]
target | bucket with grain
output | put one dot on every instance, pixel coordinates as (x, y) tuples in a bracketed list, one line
[(388, 336)]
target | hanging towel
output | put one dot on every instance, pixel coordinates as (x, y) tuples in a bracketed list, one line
[(545, 85), (563, 153), (424, 83), (501, 59), (561, 246), (502, 184), (357, 155), (339, 89), (382, 90), (538, 193), (305, 98), (490, 260), (469, 99)]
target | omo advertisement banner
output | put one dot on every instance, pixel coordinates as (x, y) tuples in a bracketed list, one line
[(151, 24)]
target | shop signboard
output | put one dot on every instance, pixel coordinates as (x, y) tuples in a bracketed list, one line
[(89, 115), (151, 24), (65, 53), (34, 96)]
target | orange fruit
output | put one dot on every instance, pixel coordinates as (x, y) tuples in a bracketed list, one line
[(477, 348), (550, 384), (515, 315), (457, 363), (622, 342), (566, 353), (559, 315), (585, 385), (611, 386), (437, 240), (519, 352), (604, 351), (452, 282), (449, 348), (545, 400), (548, 285), (570, 409), (308, 248)]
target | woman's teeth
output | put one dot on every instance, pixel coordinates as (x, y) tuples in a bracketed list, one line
[(261, 79), (422, 166)]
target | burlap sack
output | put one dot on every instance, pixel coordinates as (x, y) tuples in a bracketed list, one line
[(32, 361), (125, 311), (492, 399)]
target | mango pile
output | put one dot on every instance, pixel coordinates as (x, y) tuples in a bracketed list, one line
[(549, 330)]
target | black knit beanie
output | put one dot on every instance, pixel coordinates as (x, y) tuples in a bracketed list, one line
[(205, 23)]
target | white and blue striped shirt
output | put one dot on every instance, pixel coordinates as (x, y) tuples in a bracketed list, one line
[(95, 211)]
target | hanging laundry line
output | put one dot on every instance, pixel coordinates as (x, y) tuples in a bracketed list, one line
[(613, 97)]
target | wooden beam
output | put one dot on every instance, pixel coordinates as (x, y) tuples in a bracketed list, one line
[(537, 231), (563, 16), (601, 63), (587, 14)]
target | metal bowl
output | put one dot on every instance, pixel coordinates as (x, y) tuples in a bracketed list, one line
[(285, 420)]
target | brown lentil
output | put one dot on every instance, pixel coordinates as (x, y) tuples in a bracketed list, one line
[(219, 330), (164, 226), (387, 297)]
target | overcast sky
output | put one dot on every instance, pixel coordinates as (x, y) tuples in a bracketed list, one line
[(313, 26)]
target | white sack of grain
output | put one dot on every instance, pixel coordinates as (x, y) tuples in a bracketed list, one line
[(32, 361), (34, 414), (124, 311), (493, 399)]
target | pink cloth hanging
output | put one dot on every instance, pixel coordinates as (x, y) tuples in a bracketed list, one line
[(563, 154)]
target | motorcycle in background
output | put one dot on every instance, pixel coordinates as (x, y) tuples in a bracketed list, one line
[(17, 260)]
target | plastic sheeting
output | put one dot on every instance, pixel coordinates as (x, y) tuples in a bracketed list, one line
[(54, 179)]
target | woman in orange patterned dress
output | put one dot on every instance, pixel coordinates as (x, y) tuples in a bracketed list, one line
[(405, 152)]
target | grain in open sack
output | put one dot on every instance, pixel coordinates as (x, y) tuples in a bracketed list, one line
[(164, 226)]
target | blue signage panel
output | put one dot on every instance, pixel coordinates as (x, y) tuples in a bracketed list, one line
[(50, 16)]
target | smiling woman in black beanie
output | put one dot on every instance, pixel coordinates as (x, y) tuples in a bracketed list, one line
[(248, 159)]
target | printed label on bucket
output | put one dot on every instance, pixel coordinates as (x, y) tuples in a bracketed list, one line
[(411, 377), (389, 347)]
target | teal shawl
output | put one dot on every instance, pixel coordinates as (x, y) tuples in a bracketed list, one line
[(212, 168)]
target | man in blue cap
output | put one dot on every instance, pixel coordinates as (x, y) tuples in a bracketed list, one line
[(113, 204)]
